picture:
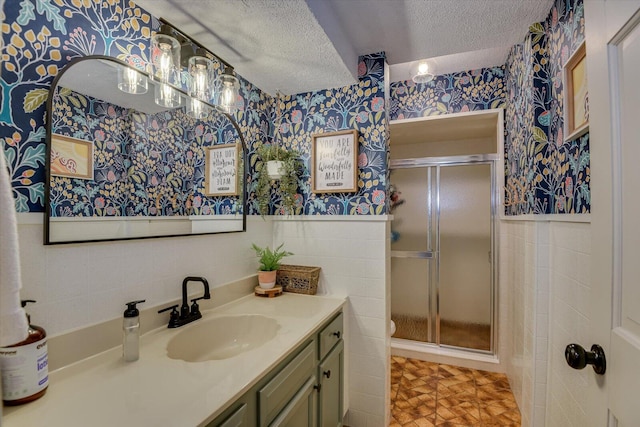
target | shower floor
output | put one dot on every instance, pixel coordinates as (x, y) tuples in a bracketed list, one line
[(459, 334)]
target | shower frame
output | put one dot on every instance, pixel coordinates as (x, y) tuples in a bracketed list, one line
[(433, 206)]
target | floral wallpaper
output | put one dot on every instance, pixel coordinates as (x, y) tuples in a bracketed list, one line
[(544, 173), (360, 106), (144, 164), (40, 38), (480, 89)]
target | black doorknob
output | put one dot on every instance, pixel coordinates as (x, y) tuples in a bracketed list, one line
[(577, 357)]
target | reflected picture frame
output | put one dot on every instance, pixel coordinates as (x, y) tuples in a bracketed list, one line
[(576, 95), (221, 170), (71, 157)]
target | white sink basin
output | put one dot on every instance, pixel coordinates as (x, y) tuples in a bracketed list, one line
[(221, 337)]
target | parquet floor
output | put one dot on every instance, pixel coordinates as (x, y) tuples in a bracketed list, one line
[(425, 394)]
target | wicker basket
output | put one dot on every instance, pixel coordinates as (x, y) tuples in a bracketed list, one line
[(298, 278)]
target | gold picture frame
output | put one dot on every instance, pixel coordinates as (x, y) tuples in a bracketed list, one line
[(221, 170), (71, 157), (576, 96), (334, 162)]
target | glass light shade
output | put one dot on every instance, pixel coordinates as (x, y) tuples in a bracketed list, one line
[(422, 71), (198, 109), (201, 78), (131, 81), (165, 59), (229, 93), (166, 96)]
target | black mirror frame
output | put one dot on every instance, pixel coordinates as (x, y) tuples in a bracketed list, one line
[(47, 211)]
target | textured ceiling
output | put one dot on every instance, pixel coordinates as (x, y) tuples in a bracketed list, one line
[(303, 45)]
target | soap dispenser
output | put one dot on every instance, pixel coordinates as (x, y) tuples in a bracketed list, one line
[(131, 332), (24, 366)]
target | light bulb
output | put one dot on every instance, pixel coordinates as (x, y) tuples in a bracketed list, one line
[(423, 68), (197, 109), (201, 72), (229, 94), (165, 58), (166, 96), (131, 81)]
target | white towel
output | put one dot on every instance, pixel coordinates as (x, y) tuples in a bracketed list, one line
[(13, 320)]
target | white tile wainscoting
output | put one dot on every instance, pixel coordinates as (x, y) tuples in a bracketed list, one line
[(545, 266)]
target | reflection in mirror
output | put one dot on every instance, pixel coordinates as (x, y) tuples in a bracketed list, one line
[(122, 166)]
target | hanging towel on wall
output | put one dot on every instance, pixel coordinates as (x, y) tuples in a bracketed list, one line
[(13, 320)]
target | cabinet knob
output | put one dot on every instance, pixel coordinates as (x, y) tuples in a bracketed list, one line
[(327, 373), (337, 334), (577, 357)]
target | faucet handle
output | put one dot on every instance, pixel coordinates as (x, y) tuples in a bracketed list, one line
[(173, 316), (195, 308)]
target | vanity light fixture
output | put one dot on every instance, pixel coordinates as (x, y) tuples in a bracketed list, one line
[(166, 96), (197, 109), (229, 92), (165, 57), (131, 81), (201, 76), (422, 72)]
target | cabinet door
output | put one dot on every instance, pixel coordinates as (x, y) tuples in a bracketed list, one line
[(301, 410), (238, 418), (331, 374)]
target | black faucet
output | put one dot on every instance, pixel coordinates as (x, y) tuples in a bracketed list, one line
[(186, 314)]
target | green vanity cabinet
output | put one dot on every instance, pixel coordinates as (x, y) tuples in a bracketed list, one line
[(305, 390), (331, 373), (331, 380)]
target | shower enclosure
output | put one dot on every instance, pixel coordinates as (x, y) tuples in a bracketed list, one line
[(443, 251)]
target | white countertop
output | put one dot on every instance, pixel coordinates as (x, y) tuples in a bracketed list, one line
[(157, 391)]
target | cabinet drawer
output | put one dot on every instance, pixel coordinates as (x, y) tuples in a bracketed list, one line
[(330, 336), (275, 395)]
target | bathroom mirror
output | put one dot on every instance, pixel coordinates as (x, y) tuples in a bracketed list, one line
[(129, 158)]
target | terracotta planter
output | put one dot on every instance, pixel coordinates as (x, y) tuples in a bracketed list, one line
[(267, 279)]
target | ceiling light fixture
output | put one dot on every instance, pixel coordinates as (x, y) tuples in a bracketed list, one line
[(422, 72)]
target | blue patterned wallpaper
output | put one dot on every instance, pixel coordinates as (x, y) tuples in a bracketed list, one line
[(144, 164), (40, 40), (544, 174), (360, 106), (449, 93)]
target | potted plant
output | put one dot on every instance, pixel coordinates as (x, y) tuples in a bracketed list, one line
[(285, 164), (269, 264)]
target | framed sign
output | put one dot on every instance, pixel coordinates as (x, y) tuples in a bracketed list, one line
[(334, 162), (221, 174), (576, 106), (71, 157)]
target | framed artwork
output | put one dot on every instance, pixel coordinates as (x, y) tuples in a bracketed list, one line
[(334, 162), (576, 97), (71, 157), (221, 170)]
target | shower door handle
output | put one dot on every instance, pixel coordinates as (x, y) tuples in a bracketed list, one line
[(413, 254)]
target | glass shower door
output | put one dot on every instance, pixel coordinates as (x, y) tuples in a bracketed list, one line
[(442, 252), (412, 256), (465, 265)]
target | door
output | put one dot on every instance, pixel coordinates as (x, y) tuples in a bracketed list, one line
[(465, 261), (613, 61), (412, 250), (442, 261)]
